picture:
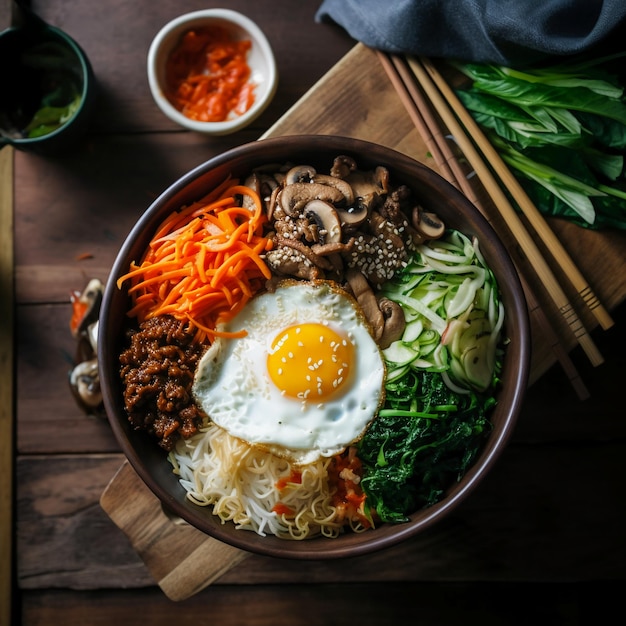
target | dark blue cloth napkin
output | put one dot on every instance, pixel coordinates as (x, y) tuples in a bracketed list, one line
[(496, 31)]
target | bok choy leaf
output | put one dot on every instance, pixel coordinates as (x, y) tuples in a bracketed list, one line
[(562, 130)]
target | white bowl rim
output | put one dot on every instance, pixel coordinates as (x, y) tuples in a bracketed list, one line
[(213, 128)]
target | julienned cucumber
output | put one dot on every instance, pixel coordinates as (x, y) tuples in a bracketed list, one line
[(453, 312)]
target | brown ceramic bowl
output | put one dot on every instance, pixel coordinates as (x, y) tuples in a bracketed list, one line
[(150, 462)]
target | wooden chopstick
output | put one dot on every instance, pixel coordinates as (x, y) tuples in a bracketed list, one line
[(403, 87), (535, 218), (451, 170), (523, 237), (425, 123)]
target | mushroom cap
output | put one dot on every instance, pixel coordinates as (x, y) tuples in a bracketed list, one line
[(338, 183), (326, 219), (300, 174), (353, 215), (428, 225)]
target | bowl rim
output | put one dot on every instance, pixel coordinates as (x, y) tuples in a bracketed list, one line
[(256, 35), (385, 535)]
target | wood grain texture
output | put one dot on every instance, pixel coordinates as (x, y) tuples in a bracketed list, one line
[(181, 559), (367, 604), (7, 377)]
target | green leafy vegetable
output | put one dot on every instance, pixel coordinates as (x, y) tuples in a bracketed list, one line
[(441, 377), (562, 129), (49, 118)]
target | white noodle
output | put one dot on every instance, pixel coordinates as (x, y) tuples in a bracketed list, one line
[(239, 482)]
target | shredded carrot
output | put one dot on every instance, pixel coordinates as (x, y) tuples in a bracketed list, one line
[(203, 263), (208, 76)]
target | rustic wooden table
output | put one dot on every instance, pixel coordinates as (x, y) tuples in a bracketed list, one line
[(542, 537)]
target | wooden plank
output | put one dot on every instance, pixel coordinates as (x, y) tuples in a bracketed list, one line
[(7, 377), (355, 99), (64, 538), (181, 559), (49, 421), (366, 604), (117, 47)]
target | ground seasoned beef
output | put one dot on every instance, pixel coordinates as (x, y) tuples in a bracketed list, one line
[(157, 371)]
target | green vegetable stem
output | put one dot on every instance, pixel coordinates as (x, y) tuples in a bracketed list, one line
[(562, 130)]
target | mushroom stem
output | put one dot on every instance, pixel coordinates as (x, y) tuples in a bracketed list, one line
[(395, 322)]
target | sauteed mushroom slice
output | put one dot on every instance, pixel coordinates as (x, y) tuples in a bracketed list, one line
[(85, 307), (264, 184), (85, 385), (427, 224), (369, 186), (342, 166), (354, 215), (366, 298), (300, 174), (385, 316), (343, 186), (395, 322), (327, 220), (295, 196)]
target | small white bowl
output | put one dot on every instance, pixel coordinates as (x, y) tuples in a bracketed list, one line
[(260, 59)]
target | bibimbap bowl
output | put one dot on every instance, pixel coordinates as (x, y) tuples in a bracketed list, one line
[(304, 160)]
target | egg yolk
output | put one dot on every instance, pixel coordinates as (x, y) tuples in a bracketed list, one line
[(310, 361)]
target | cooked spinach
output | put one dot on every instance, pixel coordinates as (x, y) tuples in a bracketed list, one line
[(424, 440)]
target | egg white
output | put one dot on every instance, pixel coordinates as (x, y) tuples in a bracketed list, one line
[(234, 388)]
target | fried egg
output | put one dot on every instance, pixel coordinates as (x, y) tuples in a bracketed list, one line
[(304, 382)]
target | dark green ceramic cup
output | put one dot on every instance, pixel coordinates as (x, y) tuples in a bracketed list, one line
[(47, 88)]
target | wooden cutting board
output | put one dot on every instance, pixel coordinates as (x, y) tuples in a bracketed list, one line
[(355, 98)]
